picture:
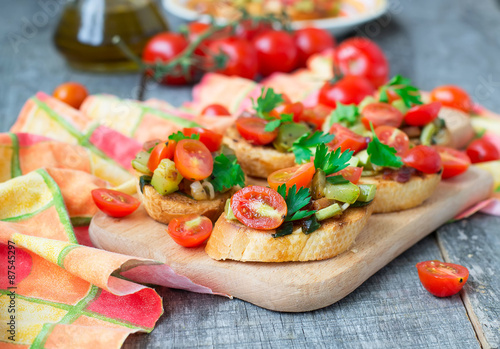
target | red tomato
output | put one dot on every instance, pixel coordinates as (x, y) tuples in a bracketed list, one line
[(248, 29), (453, 97), (301, 176), (242, 57), (482, 150), (296, 109), (362, 57), (423, 158), (190, 230), (193, 159), (164, 47), (421, 115), (310, 41), (161, 151), (215, 110), (454, 161), (350, 173), (345, 139), (259, 207), (393, 137), (381, 114), (442, 279), (315, 116), (252, 129), (71, 93), (114, 203), (276, 52), (348, 90), (211, 139), (195, 29)]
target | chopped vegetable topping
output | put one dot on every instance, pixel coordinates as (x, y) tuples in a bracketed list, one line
[(179, 136), (303, 147), (409, 94), (336, 180), (143, 181), (381, 154), (267, 101), (274, 124), (347, 115), (227, 173), (331, 162)]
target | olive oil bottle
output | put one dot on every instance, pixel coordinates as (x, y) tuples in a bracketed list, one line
[(86, 29)]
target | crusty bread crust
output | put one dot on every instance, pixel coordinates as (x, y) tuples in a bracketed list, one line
[(232, 240), (257, 161), (393, 196)]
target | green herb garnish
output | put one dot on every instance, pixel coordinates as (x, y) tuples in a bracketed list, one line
[(347, 115), (409, 94), (143, 181), (179, 136), (227, 173), (304, 147), (381, 154), (274, 124), (331, 162), (267, 101)]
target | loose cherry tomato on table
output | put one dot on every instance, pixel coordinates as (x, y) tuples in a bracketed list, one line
[(71, 93), (423, 158), (215, 110), (161, 151), (442, 279), (253, 130), (381, 114), (482, 150), (454, 161), (316, 115), (211, 139), (301, 176), (276, 52), (345, 139), (350, 173), (310, 41), (421, 115), (242, 57), (114, 203), (453, 97), (193, 159), (362, 57), (348, 90), (248, 29), (296, 109), (190, 230), (259, 207), (393, 137)]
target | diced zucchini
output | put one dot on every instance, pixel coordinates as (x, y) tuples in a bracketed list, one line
[(400, 105), (229, 211), (359, 129), (166, 178), (140, 163), (328, 212), (367, 100), (347, 192), (369, 173), (367, 192), (428, 132), (287, 134), (354, 161), (364, 160), (318, 184)]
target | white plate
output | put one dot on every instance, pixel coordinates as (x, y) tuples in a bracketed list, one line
[(358, 12)]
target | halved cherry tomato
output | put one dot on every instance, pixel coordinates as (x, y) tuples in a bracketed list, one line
[(393, 137), (161, 151), (259, 207), (454, 161), (348, 90), (421, 115), (301, 176), (215, 110), (310, 41), (423, 158), (442, 279), (381, 114), (211, 139), (71, 93), (193, 159), (315, 116), (482, 150), (345, 139), (114, 203), (453, 97), (252, 129), (350, 173), (296, 109), (190, 230)]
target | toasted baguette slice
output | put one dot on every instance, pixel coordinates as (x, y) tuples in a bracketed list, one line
[(393, 196), (255, 160), (164, 208), (232, 240)]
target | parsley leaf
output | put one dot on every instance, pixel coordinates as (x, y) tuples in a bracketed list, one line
[(274, 124), (179, 136), (227, 173), (347, 115), (381, 154), (267, 101), (303, 147), (402, 86), (336, 180), (310, 225), (331, 162), (143, 181)]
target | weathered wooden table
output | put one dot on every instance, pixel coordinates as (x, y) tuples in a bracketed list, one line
[(432, 42)]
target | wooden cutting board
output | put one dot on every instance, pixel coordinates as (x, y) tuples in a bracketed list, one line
[(295, 286)]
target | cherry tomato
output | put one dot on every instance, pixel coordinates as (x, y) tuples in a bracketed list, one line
[(248, 29), (164, 47), (296, 109), (482, 150), (114, 203), (421, 115), (423, 158), (252, 129), (345, 139), (276, 52), (242, 57), (362, 57), (315, 116), (259, 207), (161, 151), (215, 110), (454, 161), (442, 279), (310, 41), (193, 159), (211, 139), (381, 114), (348, 90), (350, 173), (190, 230), (393, 137), (195, 29), (453, 97), (71, 93), (301, 176)]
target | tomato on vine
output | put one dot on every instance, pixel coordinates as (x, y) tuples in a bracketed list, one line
[(310, 41), (242, 57), (276, 52), (347, 90)]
